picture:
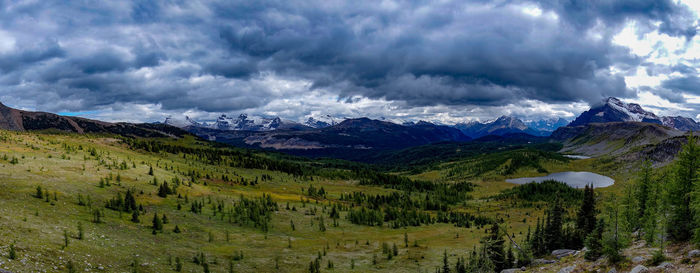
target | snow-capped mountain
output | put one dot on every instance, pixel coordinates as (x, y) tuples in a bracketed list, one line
[(241, 123), (181, 123), (321, 122), (681, 123), (614, 110)]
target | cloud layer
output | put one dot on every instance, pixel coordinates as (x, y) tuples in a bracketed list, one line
[(445, 61)]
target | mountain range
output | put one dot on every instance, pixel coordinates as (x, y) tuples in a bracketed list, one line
[(590, 133)]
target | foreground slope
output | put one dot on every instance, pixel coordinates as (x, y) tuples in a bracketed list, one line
[(80, 174)]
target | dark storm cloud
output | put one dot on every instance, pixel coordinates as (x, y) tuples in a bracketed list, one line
[(689, 83), (213, 56)]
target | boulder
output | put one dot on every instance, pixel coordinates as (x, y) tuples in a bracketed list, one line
[(542, 261), (561, 253), (638, 259), (694, 253), (612, 270), (639, 269), (665, 267), (567, 269)]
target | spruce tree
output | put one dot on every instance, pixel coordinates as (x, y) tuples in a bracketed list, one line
[(553, 229), (135, 216), (644, 187), (39, 192), (80, 231), (494, 247), (680, 193), (445, 263), (13, 253), (157, 224), (594, 242), (586, 218)]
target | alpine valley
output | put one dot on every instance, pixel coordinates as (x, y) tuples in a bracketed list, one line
[(261, 194)]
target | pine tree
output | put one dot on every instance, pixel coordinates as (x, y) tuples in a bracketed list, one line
[(680, 193), (615, 236), (13, 252), (510, 257), (586, 218), (176, 229), (157, 224), (494, 247), (644, 187), (553, 228), (80, 231), (39, 192), (65, 239), (445, 263), (135, 216), (594, 242)]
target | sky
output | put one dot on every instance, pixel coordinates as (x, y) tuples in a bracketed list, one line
[(442, 61)]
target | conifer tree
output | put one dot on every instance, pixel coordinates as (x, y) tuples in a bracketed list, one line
[(80, 231), (494, 247), (157, 223), (39, 192), (445, 263), (13, 253), (135, 216), (553, 229), (594, 242), (65, 238), (586, 218)]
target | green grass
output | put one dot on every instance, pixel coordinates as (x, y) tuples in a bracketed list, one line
[(36, 227), (62, 163)]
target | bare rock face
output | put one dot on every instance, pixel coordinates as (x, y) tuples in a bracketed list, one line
[(694, 253)]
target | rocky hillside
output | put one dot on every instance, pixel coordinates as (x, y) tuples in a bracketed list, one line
[(682, 258), (19, 120), (633, 139)]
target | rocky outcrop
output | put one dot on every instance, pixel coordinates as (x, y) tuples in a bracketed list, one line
[(639, 269)]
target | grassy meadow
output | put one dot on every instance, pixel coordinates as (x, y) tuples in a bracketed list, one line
[(69, 168)]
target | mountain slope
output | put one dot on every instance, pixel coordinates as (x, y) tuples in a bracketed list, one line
[(350, 139), (612, 138), (501, 126), (19, 120), (614, 110)]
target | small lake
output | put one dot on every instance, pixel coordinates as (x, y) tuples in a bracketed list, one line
[(573, 179)]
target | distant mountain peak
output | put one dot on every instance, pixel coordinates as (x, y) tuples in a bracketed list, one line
[(615, 110), (320, 121), (501, 126)]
